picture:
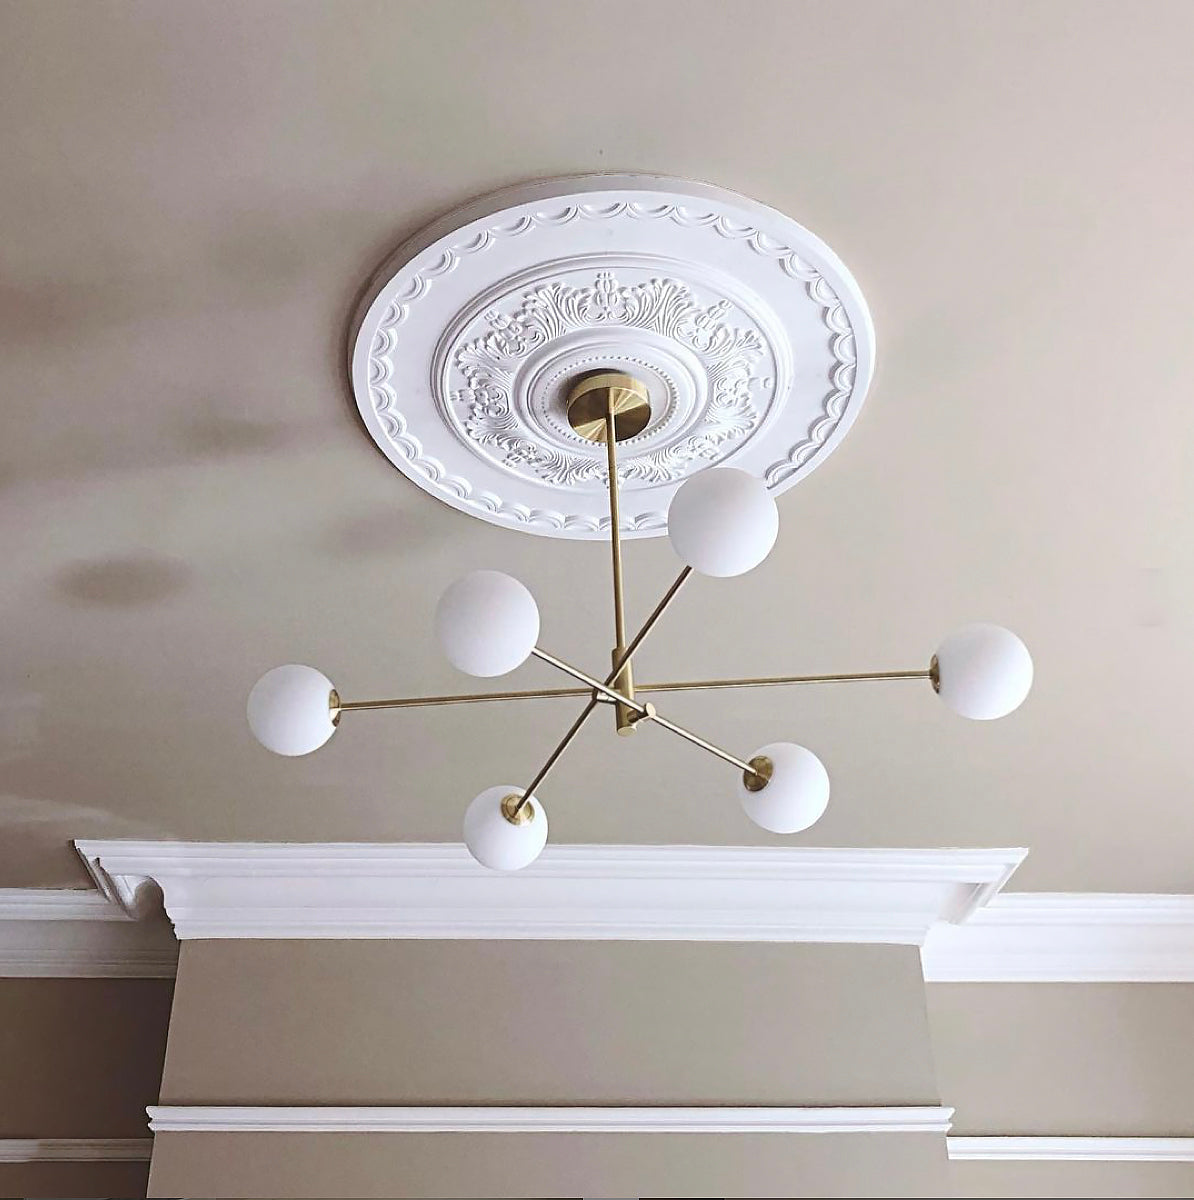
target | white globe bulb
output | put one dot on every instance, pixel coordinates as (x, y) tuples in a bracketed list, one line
[(722, 522), (487, 623), (795, 795), (290, 709), (498, 843), (983, 672)]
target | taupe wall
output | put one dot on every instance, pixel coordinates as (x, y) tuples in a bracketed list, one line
[(73, 1179), (366, 1165), (1078, 1179), (1067, 1059), (547, 1023), (512, 1023), (1076, 1059), (79, 1058)]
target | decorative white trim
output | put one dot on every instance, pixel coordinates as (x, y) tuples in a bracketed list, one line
[(24, 1150), (434, 890), (57, 904), (479, 276), (1059, 937), (1071, 1149), (910, 1119), (73, 934)]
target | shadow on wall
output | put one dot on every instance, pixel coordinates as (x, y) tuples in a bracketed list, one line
[(131, 581), (220, 436), (387, 532)]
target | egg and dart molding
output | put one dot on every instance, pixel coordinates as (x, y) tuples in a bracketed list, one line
[(721, 522)]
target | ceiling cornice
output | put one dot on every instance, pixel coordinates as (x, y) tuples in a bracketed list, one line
[(436, 890), (1062, 937), (79, 934)]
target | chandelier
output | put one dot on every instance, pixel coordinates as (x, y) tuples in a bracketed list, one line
[(543, 352)]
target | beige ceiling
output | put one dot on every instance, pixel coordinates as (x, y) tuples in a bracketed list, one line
[(191, 197)]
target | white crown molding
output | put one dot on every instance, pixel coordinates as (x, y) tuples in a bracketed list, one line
[(434, 890), (75, 934), (25, 1150), (1058, 937), (1071, 1149), (548, 1120)]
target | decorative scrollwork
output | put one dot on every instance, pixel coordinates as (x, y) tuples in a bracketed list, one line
[(488, 365), (378, 395)]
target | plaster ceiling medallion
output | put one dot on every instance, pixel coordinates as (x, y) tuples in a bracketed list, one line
[(750, 337)]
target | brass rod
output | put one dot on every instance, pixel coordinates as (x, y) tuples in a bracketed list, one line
[(554, 757), (474, 698), (649, 623), (704, 745), (615, 534), (644, 710), (595, 684), (693, 685), (710, 685)]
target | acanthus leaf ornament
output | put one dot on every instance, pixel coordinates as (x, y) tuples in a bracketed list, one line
[(489, 365)]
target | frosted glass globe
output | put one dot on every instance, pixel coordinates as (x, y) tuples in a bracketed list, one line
[(983, 672), (290, 709), (487, 623), (795, 796), (722, 522), (498, 843)]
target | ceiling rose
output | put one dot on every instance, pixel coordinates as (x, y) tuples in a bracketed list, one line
[(750, 336)]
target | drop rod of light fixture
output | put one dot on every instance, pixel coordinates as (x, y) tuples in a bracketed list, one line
[(721, 522)]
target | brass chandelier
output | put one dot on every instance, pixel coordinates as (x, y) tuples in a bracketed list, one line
[(721, 522)]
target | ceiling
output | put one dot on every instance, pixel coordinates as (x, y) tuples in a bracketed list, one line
[(192, 198)]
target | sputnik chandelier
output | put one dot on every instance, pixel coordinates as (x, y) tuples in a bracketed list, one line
[(720, 345)]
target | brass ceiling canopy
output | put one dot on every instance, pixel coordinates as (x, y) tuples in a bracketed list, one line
[(596, 394)]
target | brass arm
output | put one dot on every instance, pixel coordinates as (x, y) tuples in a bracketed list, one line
[(645, 711), (691, 685)]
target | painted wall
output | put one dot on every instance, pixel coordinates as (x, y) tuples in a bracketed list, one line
[(1067, 1060), (1077, 1179), (53, 1180), (79, 1058), (547, 1023), (433, 1165)]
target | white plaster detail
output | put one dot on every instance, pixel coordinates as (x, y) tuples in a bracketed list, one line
[(753, 338), (1071, 1149), (1068, 937), (564, 1119), (493, 402), (69, 933), (664, 893)]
